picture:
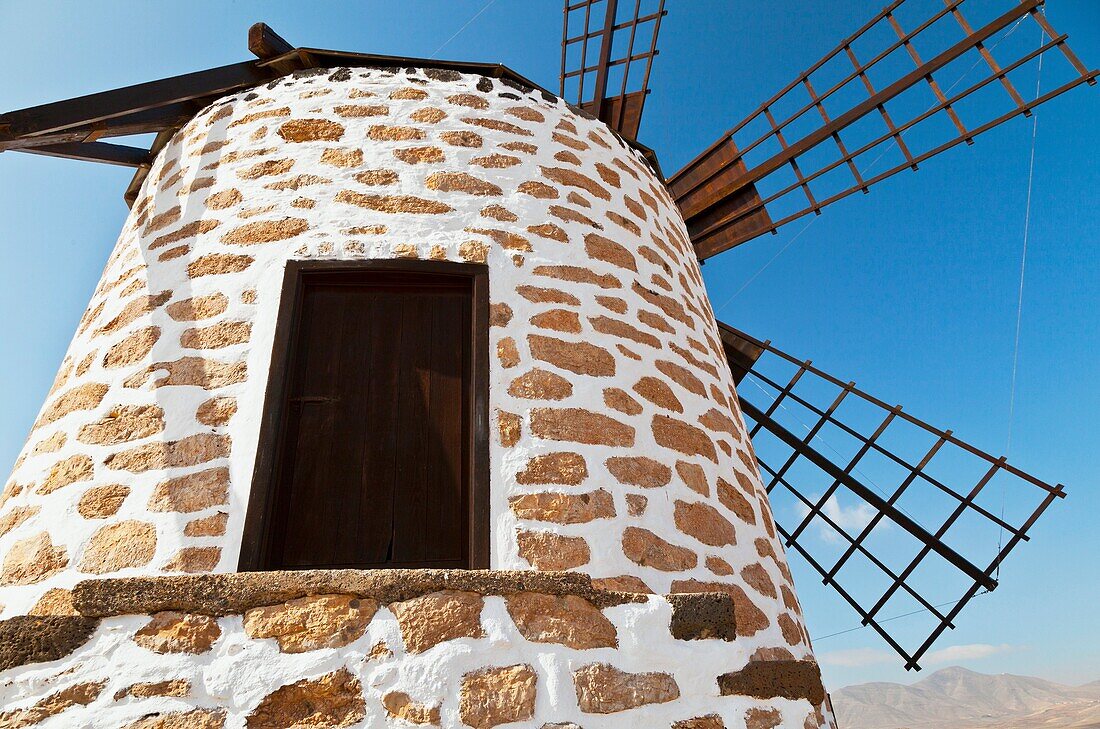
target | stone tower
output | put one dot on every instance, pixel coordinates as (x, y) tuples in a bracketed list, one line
[(634, 574)]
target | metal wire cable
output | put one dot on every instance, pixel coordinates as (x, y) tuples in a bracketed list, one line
[(464, 27)]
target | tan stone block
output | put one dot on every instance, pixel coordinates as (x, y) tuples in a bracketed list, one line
[(572, 216), (400, 705), (580, 426), (461, 139), (162, 220), (473, 251), (361, 110), (216, 336), (265, 231), (133, 348), (658, 393), (636, 504), (492, 696), (224, 199), (73, 469), (703, 522), (605, 249), (32, 560), (758, 718), (672, 308), (498, 212), (499, 314), (710, 721), (461, 182), (616, 328), (639, 471), (82, 397), (267, 168), (757, 577), (790, 630), (385, 133), (578, 274), (719, 566), (174, 632), (194, 560), (254, 116), (549, 551), (500, 126), (567, 619), (119, 546), (649, 550), (507, 353), (469, 100), (197, 371), (51, 444), (622, 583), (123, 424), (693, 476), (311, 623), (734, 500), (80, 694), (617, 399), (393, 204), (495, 161), (195, 719), (683, 437), (613, 303), (216, 264), (567, 157), (311, 130), (332, 700), (431, 619), (539, 190), (177, 687), (342, 157), (510, 428), (55, 601), (419, 155), (604, 689), (16, 516), (625, 223), (506, 240), (540, 385), (428, 115), (209, 526), (569, 141), (572, 178), (561, 468), (560, 320), (99, 502), (526, 113), (189, 451), (539, 295), (583, 358), (409, 93), (376, 177), (216, 411), (564, 508)]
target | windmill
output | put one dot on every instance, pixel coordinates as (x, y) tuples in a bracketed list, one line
[(296, 402)]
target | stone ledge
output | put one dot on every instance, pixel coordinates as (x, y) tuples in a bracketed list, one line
[(775, 679), (234, 593), (38, 638)]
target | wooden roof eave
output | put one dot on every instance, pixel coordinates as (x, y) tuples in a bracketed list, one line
[(74, 127)]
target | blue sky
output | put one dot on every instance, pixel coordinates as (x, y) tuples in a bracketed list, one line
[(911, 291)]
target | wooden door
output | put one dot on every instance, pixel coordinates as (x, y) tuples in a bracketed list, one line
[(373, 462)]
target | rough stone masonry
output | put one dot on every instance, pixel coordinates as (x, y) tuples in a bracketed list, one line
[(618, 450)]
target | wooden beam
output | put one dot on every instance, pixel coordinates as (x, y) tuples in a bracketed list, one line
[(112, 154), (264, 43), (87, 110), (839, 123), (149, 121)]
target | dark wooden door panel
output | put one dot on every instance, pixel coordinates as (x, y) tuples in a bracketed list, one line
[(373, 464)]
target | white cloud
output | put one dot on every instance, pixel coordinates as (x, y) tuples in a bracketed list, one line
[(851, 519), (857, 657), (969, 652)]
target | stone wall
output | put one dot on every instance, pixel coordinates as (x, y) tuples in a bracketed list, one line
[(617, 449), (394, 648)]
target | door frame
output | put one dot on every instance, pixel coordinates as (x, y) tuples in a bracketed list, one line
[(255, 541)]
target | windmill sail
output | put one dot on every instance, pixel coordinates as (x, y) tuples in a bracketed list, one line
[(607, 53), (898, 516), (820, 138)]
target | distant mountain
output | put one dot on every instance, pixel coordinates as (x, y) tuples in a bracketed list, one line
[(955, 698)]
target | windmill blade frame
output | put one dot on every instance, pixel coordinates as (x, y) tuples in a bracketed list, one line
[(934, 548), (619, 105), (718, 191)]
